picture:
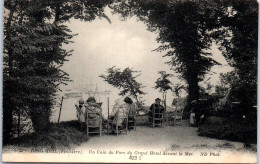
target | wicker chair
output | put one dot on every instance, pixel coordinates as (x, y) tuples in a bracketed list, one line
[(177, 117), (124, 126), (94, 122), (157, 116), (132, 118)]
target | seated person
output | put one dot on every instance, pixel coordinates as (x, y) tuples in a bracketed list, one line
[(120, 110), (80, 114), (131, 110), (81, 102), (92, 106), (158, 109)]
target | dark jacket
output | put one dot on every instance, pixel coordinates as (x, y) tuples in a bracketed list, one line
[(158, 109)]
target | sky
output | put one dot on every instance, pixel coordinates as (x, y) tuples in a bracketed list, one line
[(100, 45)]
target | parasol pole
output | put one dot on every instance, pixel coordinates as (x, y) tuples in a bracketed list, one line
[(107, 114)]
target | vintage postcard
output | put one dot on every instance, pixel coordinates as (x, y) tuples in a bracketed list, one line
[(133, 81)]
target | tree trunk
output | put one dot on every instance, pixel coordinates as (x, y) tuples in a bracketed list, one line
[(165, 101), (193, 92), (57, 12), (7, 118), (40, 119), (193, 84), (8, 105), (136, 98), (163, 96)]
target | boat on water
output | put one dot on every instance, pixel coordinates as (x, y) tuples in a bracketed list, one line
[(85, 91), (73, 95)]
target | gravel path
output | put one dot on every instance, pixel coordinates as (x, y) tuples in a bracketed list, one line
[(172, 144), (169, 139)]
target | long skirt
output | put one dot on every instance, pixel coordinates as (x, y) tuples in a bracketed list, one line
[(192, 119)]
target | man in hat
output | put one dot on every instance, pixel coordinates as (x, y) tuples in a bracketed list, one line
[(158, 108), (157, 104)]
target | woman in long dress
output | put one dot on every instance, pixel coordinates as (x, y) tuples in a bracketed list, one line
[(192, 113), (121, 111)]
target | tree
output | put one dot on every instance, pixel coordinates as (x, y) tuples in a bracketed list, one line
[(33, 55), (124, 80), (32, 71), (178, 89), (184, 30), (163, 84), (238, 40), (233, 87)]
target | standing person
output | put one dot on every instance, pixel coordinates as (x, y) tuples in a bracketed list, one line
[(192, 118), (158, 108), (205, 108), (196, 110)]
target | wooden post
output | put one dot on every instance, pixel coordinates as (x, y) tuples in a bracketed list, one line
[(175, 115), (107, 115), (60, 109), (165, 101), (19, 124), (167, 117)]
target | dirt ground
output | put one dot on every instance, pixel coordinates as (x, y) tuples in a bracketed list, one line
[(179, 143), (160, 138), (181, 137)]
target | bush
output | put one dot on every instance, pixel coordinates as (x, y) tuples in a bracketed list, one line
[(58, 136), (233, 128)]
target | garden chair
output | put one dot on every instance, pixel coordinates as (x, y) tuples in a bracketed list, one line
[(157, 117), (123, 126), (94, 122), (177, 117), (119, 123), (132, 119)]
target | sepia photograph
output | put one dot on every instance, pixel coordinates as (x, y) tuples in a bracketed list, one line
[(132, 81)]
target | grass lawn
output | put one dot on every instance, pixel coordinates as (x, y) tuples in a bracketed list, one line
[(58, 136)]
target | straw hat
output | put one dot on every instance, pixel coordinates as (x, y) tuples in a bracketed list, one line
[(81, 101)]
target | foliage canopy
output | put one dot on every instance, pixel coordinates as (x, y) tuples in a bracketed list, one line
[(125, 80)]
